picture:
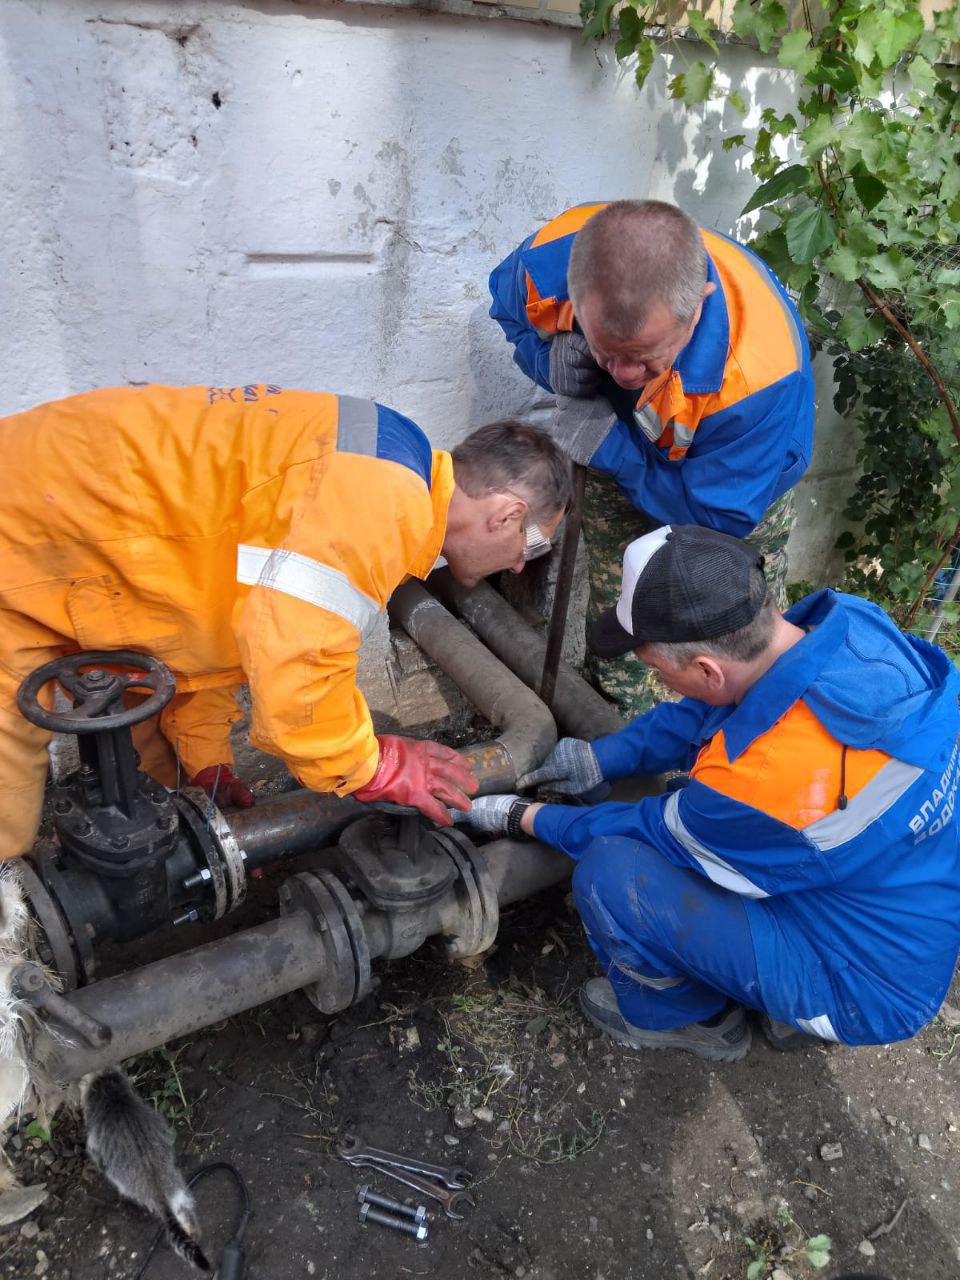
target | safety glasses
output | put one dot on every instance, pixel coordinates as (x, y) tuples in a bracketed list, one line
[(535, 543)]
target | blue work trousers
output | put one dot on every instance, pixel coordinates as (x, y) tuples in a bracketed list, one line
[(674, 945)]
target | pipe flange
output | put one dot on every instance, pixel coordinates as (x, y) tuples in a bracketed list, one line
[(51, 922), (233, 857), (307, 892), (476, 896), (200, 803), (355, 931)]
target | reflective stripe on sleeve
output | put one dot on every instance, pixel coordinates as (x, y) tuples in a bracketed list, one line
[(682, 435), (870, 803), (306, 579), (719, 871), (649, 422), (357, 426)]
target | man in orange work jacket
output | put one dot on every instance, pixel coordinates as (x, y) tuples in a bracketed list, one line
[(247, 534), (682, 377)]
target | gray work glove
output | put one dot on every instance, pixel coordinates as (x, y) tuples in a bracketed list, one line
[(573, 370), (581, 426), (488, 813), (570, 769)]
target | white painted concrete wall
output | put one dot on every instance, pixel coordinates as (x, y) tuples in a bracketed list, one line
[(332, 222)]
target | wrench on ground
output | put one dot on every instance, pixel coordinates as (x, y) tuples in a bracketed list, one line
[(448, 1197), (454, 1176)]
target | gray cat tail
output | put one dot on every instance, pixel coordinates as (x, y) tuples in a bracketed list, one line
[(184, 1244)]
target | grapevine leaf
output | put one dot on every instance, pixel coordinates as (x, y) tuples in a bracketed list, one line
[(631, 31), (843, 262), (870, 190), (698, 23), (858, 330), (596, 15), (887, 270), (809, 232), (922, 75), (885, 35), (795, 52), (762, 19), (646, 57), (694, 85), (787, 182), (821, 133)]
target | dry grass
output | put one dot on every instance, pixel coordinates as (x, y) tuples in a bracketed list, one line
[(501, 1050)]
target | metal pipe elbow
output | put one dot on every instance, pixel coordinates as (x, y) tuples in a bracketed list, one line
[(527, 731)]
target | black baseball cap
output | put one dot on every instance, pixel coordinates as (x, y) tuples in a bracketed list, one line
[(681, 583)]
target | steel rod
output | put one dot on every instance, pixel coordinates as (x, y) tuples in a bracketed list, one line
[(561, 591)]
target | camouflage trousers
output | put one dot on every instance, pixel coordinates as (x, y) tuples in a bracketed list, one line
[(610, 523)]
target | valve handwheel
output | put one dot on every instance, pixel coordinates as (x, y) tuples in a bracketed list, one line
[(97, 689)]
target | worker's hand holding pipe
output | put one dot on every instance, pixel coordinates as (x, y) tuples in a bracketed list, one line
[(570, 769), (423, 774), (223, 786), (502, 815), (490, 814)]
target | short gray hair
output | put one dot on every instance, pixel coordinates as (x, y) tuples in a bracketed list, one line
[(632, 253), (742, 646), (513, 455)]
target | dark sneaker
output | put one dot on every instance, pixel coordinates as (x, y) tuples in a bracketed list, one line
[(782, 1035), (725, 1038)]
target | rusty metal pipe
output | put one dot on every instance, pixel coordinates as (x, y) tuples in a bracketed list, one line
[(528, 731), (184, 993), (295, 822), (579, 710)]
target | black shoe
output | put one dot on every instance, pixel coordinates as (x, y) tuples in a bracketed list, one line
[(783, 1036), (726, 1040)]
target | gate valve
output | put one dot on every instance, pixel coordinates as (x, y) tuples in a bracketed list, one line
[(97, 691)]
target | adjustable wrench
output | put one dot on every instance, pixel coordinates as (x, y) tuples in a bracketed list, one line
[(448, 1197), (453, 1176)]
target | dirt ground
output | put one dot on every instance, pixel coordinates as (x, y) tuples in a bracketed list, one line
[(589, 1160)]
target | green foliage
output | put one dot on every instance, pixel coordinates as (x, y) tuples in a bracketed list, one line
[(157, 1078), (860, 191), (906, 494)]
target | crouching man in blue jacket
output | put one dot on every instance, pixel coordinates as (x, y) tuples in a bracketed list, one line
[(810, 867)]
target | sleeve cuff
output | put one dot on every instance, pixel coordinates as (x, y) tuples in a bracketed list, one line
[(615, 756), (550, 821)]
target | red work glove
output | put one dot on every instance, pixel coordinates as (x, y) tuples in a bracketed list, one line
[(421, 774), (230, 790)]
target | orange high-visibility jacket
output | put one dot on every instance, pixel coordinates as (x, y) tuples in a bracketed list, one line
[(236, 533)]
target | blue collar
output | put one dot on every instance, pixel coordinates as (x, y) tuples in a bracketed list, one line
[(702, 362), (792, 673)]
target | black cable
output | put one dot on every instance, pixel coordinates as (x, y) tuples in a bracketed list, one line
[(842, 802), (231, 1264)]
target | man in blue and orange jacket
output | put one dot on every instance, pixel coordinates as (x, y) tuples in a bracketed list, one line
[(682, 375), (810, 867)]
